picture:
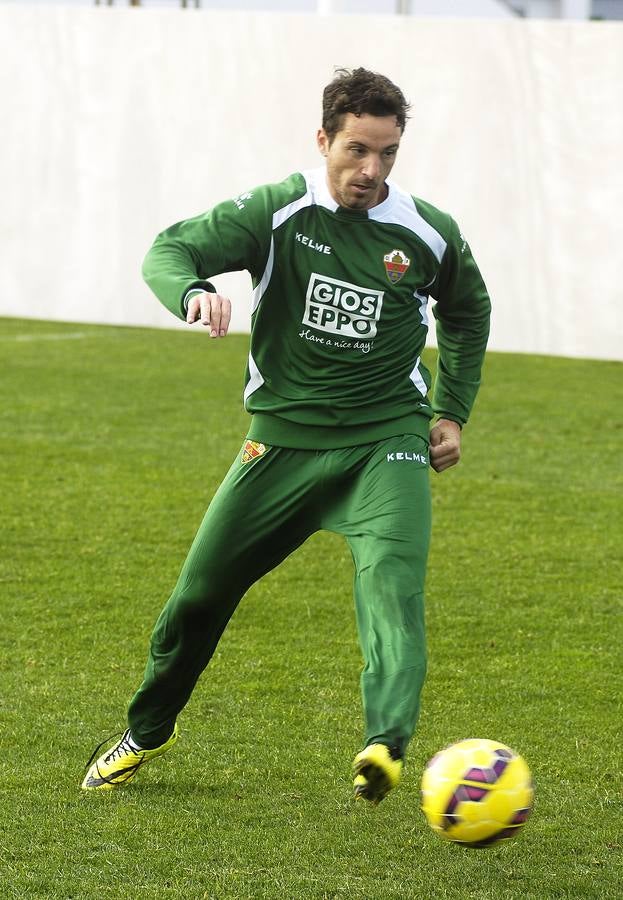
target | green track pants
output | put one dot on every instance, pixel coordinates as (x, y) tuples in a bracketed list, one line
[(378, 496)]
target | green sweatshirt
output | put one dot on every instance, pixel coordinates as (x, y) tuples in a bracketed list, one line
[(339, 315)]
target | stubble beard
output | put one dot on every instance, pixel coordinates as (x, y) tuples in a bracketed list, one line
[(350, 199)]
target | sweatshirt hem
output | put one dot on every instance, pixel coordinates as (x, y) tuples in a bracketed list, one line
[(277, 432)]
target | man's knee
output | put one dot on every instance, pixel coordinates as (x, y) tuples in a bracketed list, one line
[(194, 607), (393, 580)]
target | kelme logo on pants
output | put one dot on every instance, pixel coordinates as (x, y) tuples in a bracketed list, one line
[(342, 308)]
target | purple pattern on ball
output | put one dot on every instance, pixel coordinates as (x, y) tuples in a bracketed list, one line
[(482, 775), (521, 816), (474, 793), (453, 802), (498, 767)]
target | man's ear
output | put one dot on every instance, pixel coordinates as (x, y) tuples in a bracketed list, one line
[(322, 139)]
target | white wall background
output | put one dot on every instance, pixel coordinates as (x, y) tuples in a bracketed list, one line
[(118, 122)]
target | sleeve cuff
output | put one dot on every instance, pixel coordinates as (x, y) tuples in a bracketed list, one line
[(196, 289)]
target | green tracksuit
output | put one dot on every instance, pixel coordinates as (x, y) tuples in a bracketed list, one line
[(340, 419)]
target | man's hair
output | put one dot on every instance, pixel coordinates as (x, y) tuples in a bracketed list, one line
[(360, 91)]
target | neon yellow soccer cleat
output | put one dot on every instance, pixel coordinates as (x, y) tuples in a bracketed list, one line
[(375, 772), (120, 763)]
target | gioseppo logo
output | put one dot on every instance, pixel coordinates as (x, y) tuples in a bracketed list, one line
[(342, 308)]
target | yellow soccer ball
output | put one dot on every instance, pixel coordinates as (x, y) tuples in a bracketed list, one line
[(477, 792)]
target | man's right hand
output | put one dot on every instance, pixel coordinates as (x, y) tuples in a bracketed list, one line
[(213, 310)]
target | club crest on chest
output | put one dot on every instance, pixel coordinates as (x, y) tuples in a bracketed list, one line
[(396, 264)]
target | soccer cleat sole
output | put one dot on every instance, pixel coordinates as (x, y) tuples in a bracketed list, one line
[(372, 786), (375, 774)]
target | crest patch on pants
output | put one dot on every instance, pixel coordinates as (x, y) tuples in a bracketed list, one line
[(251, 451)]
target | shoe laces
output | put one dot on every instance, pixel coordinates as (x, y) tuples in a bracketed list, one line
[(121, 748)]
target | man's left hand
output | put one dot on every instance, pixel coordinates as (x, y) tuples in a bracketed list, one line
[(445, 444)]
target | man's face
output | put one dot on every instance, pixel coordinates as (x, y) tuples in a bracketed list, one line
[(359, 159)]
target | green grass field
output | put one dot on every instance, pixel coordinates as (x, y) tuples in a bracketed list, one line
[(112, 442)]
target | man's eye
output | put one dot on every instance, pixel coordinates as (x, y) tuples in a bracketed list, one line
[(390, 153), (358, 151)]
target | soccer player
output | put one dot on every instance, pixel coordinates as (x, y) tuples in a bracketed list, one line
[(343, 263)]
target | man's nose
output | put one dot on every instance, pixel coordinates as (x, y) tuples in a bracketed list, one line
[(372, 167)]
